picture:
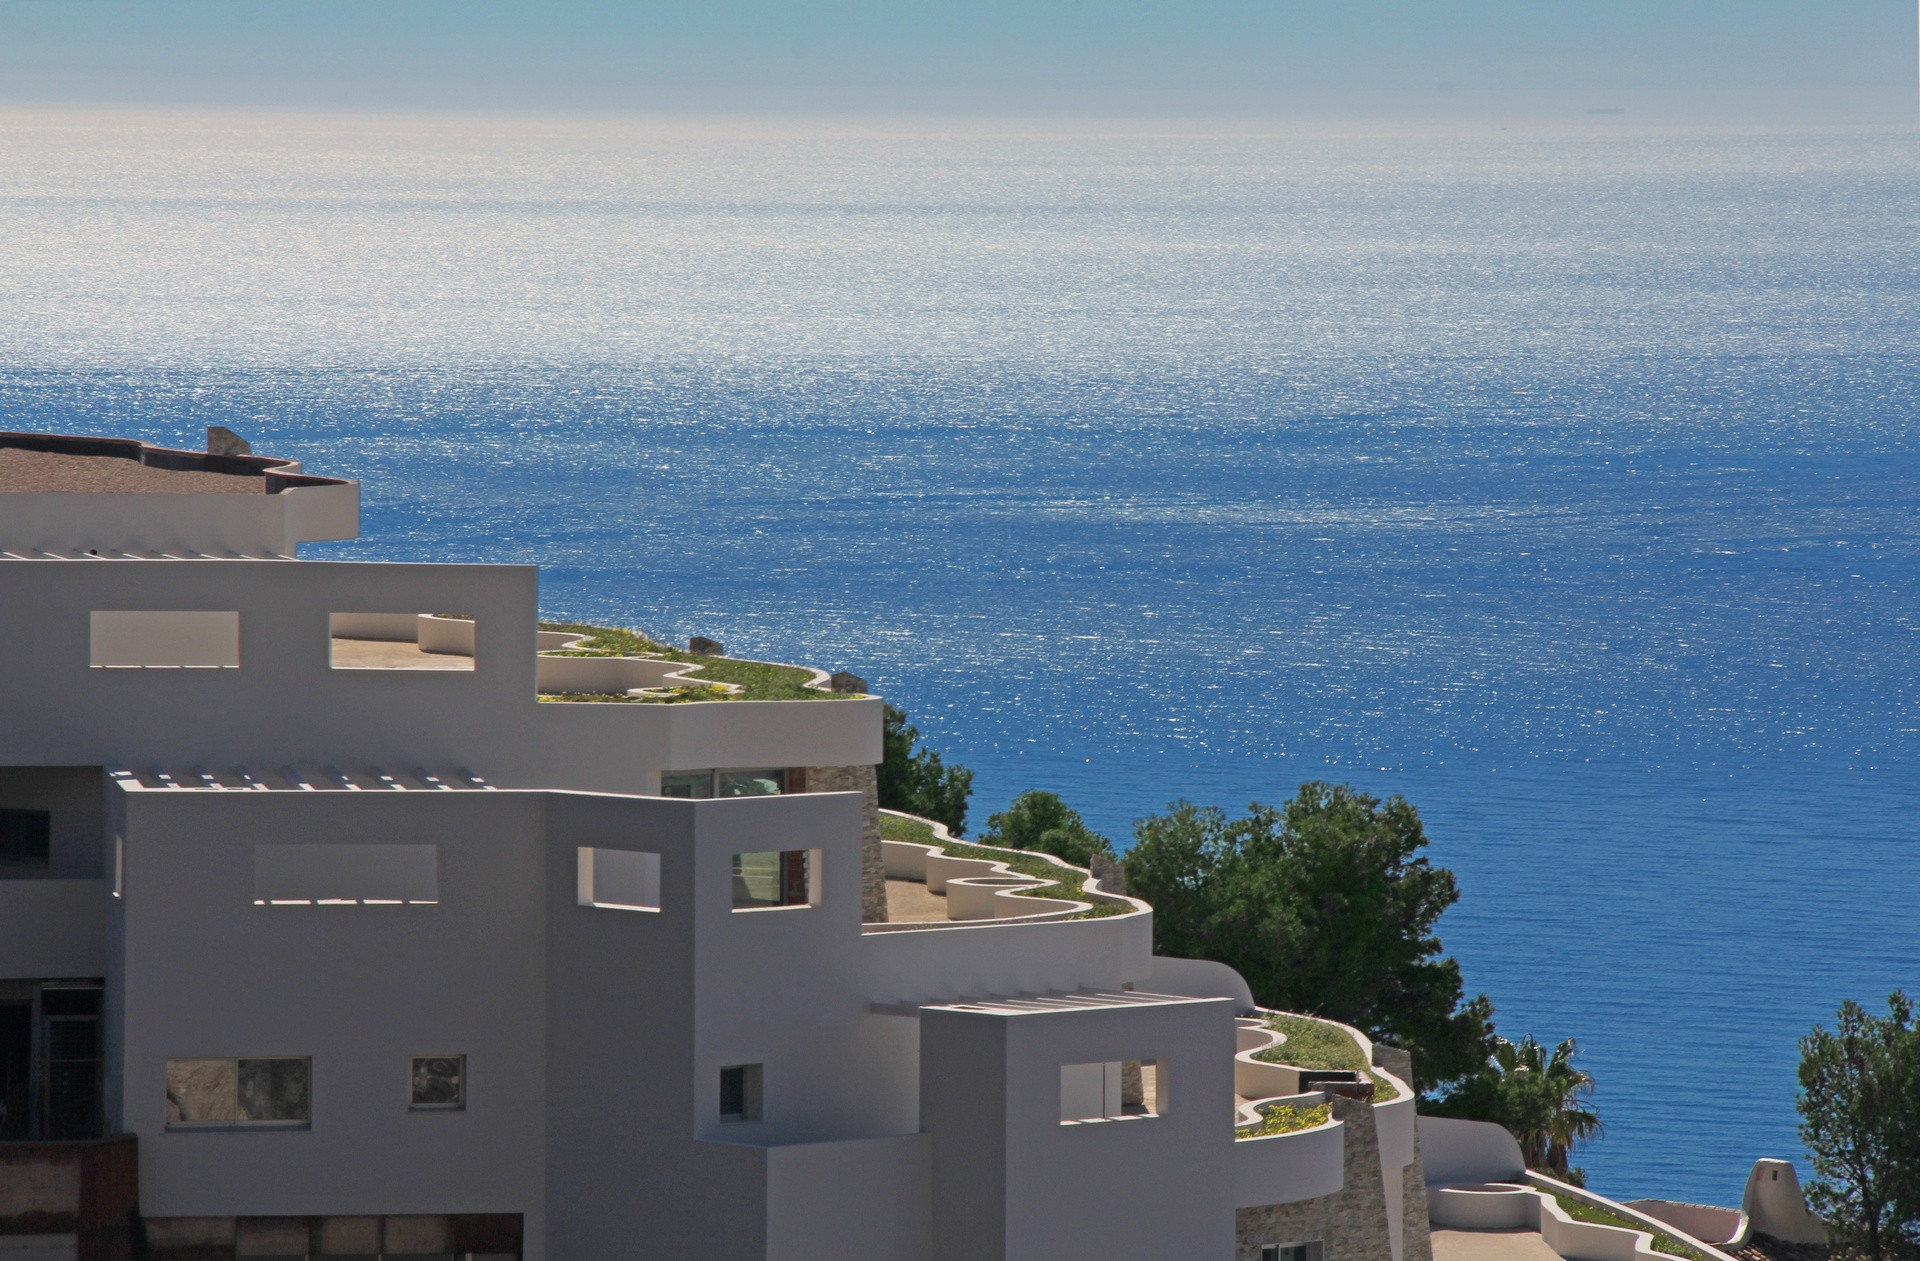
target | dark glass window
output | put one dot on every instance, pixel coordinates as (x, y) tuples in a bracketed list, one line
[(697, 784), (276, 1090), (740, 1093), (26, 839), (439, 1083), (773, 878)]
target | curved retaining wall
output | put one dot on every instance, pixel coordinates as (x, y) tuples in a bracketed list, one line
[(1283, 1168), (1514, 1206), (983, 888)]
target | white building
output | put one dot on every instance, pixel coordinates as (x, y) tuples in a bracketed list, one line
[(316, 919)]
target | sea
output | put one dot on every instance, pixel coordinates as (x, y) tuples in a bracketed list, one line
[(1557, 474)]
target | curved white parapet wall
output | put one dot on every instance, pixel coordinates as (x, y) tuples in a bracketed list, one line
[(610, 674), (1483, 1206), (1514, 1206), (1282, 1168), (450, 635), (1616, 1244), (1256, 1079), (978, 897), (1454, 1153), (987, 888), (906, 860), (944, 867), (1396, 1121), (1201, 978), (1703, 1221)]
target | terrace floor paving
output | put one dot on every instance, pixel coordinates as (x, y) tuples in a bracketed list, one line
[(1491, 1245), (389, 654), (910, 902)]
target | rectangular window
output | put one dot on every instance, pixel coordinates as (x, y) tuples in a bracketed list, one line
[(740, 1092), (694, 784), (751, 782), (401, 641), (269, 1092), (1291, 1251), (619, 879), (164, 641), (766, 782), (346, 875), (26, 841), (775, 878), (75, 1056), (439, 1083), (1112, 1090)]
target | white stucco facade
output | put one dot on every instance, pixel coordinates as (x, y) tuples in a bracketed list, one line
[(268, 868)]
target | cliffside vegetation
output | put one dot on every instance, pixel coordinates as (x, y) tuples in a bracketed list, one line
[(1324, 905), (758, 680), (1539, 1096), (1040, 820), (1860, 1120), (914, 779)]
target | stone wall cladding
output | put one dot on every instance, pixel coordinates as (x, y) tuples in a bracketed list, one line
[(1417, 1237), (1351, 1223), (864, 780)]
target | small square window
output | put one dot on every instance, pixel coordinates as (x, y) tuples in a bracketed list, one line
[(439, 1083), (774, 878), (618, 879), (26, 840), (740, 1092)]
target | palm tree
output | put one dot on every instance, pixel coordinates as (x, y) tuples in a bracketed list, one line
[(1542, 1101)]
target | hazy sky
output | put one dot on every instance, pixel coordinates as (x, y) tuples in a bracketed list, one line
[(755, 52)]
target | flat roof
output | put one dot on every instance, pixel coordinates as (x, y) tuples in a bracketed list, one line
[(27, 472)]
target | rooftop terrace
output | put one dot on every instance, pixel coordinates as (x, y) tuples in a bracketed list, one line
[(41, 463)]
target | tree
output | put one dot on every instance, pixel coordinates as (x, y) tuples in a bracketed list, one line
[(1859, 1110), (1540, 1098), (1040, 820), (916, 781), (1325, 907)]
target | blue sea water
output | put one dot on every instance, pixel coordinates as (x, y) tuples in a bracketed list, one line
[(1558, 476)]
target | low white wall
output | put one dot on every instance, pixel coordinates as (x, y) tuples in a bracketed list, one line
[(1396, 1121), (1490, 1206), (387, 627), (450, 635), (1282, 1168), (601, 674), (865, 1199), (1456, 1153), (944, 867), (1582, 1243), (1256, 1079), (1200, 978), (1702, 1221), (314, 513), (905, 860), (53, 928), (978, 897)]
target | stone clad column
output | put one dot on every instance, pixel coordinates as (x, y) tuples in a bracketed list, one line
[(873, 869), (1417, 1233)]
